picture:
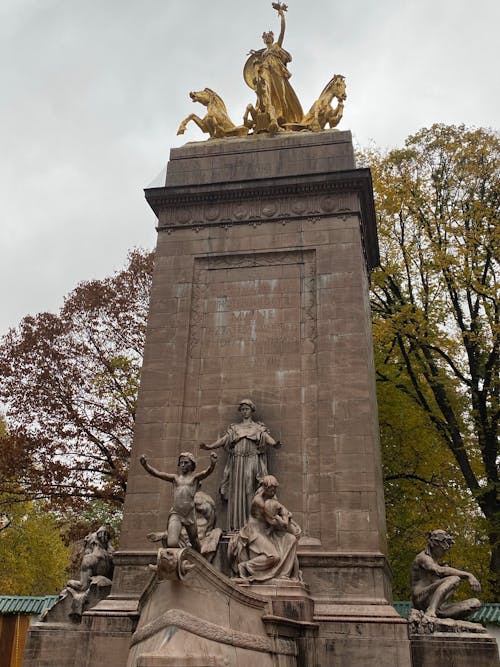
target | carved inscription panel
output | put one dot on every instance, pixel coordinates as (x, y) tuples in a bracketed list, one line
[(254, 305)]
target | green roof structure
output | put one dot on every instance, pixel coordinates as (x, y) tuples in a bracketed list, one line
[(26, 604)]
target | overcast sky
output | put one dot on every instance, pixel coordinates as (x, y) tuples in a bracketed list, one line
[(92, 93)]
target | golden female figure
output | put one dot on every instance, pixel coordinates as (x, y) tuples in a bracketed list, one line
[(270, 64)]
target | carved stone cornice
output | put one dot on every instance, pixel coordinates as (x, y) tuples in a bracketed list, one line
[(282, 199)]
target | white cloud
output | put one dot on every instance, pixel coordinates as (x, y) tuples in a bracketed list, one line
[(92, 94)]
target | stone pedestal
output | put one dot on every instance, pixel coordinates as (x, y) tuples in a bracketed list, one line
[(455, 650), (197, 617), (260, 291)]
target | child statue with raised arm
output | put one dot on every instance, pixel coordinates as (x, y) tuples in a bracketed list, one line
[(182, 513)]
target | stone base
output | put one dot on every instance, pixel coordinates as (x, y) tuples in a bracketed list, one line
[(73, 603), (362, 640), (100, 639), (286, 598), (421, 624), (72, 633), (197, 617), (454, 651), (358, 627)]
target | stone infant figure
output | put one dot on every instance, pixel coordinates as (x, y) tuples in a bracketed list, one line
[(182, 514)]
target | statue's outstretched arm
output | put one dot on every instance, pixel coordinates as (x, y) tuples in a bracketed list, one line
[(281, 9), (205, 473), (165, 476), (221, 442), (431, 565)]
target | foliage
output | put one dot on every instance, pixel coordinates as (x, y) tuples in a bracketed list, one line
[(424, 490), (33, 558), (80, 521), (69, 382), (435, 302)]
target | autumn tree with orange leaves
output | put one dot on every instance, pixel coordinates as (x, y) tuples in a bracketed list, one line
[(69, 382)]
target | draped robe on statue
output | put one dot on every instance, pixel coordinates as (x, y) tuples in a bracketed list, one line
[(266, 547), (245, 444), (271, 62)]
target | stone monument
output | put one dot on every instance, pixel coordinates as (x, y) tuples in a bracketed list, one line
[(266, 238)]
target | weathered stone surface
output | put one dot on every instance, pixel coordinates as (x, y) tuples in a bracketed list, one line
[(419, 623), (244, 159), (261, 290), (456, 651), (276, 308), (73, 603), (198, 614)]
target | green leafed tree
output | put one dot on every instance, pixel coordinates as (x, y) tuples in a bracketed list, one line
[(424, 490), (69, 382), (436, 309), (33, 557)]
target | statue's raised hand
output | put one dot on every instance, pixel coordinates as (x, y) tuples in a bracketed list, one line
[(143, 460), (213, 457), (280, 7), (204, 446)]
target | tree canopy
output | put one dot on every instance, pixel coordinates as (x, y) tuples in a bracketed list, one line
[(69, 382), (435, 300), (33, 557), (424, 490)]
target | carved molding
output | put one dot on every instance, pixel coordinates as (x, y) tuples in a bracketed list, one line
[(217, 633), (281, 199), (327, 187), (337, 559), (254, 211)]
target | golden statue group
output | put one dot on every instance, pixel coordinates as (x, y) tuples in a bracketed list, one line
[(277, 108)]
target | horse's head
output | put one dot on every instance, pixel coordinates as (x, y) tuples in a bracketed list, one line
[(334, 88), (201, 96), (338, 84), (208, 96)]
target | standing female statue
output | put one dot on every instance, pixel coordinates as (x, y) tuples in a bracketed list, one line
[(270, 65), (245, 443)]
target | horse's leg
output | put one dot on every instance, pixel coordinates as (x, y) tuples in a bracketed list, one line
[(335, 115), (192, 117), (249, 111)]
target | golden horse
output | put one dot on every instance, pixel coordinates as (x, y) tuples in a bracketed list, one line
[(322, 113), (216, 123)]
